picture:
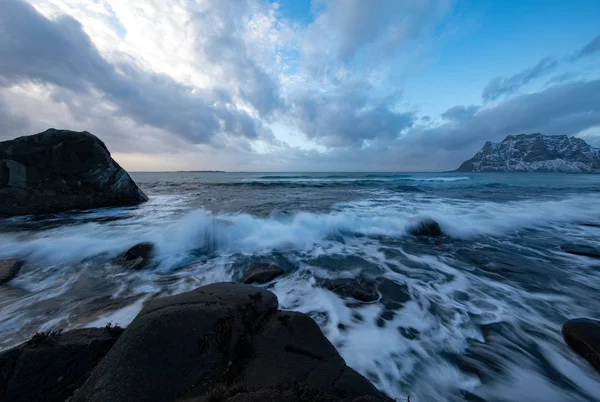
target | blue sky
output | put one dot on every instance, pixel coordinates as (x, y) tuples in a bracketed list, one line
[(498, 38), (264, 85)]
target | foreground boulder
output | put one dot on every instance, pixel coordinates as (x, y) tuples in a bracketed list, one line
[(60, 170), (262, 273), (9, 269), (223, 342), (137, 257), (583, 336), (52, 365), (425, 228)]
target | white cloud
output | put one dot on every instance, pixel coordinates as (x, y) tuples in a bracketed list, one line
[(236, 82)]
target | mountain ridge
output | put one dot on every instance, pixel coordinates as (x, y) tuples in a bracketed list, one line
[(535, 153)]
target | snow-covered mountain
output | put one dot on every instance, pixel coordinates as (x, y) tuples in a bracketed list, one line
[(535, 153)]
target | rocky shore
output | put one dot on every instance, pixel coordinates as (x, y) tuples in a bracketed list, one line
[(221, 342)]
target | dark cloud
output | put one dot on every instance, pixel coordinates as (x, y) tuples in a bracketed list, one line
[(561, 109), (590, 48), (460, 112), (58, 52), (498, 87), (346, 117)]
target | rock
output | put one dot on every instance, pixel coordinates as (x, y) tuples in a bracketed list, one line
[(583, 336), (60, 170), (198, 345), (262, 273), (9, 269), (137, 257), (393, 295), (586, 251), (356, 288), (51, 366), (535, 153), (426, 227)]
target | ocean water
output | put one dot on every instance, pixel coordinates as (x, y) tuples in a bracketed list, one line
[(487, 300)]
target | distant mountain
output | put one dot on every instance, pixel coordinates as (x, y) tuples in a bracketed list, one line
[(535, 153)]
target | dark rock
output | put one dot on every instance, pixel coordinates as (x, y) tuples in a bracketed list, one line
[(137, 257), (198, 345), (426, 227), (52, 365), (356, 288), (393, 295), (60, 170), (586, 251), (583, 336), (9, 269), (298, 392), (262, 273)]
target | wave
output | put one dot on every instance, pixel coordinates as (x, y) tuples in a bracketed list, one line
[(201, 231), (302, 183), (288, 177), (333, 176), (444, 179)]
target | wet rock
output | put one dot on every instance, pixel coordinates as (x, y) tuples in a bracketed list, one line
[(393, 295), (137, 257), (583, 336), (9, 269), (356, 288), (262, 273), (426, 228), (587, 251), (198, 345), (61, 170), (51, 366)]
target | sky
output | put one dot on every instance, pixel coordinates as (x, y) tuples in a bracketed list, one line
[(300, 85)]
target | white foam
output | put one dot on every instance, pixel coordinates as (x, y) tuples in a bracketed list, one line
[(442, 179), (120, 317), (245, 233)]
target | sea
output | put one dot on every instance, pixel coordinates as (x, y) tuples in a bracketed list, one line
[(486, 301)]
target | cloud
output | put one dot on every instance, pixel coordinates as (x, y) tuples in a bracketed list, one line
[(365, 32), (208, 80), (564, 77), (11, 124), (592, 47), (346, 117), (241, 38), (498, 87), (58, 52), (561, 109), (460, 112)]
